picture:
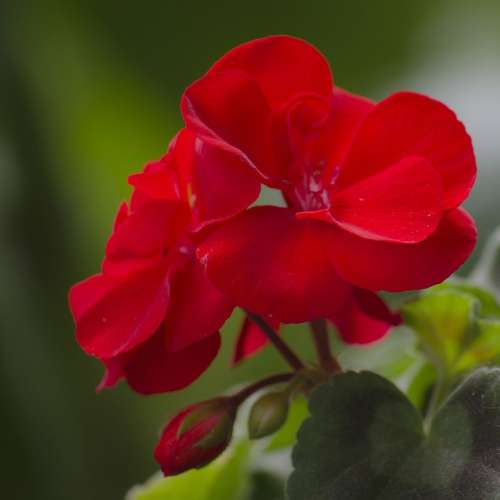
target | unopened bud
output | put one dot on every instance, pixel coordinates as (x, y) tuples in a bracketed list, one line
[(268, 414), (196, 436)]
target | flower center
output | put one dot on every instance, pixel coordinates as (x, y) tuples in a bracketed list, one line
[(310, 191)]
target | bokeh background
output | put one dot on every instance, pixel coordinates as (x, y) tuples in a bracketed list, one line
[(89, 92)]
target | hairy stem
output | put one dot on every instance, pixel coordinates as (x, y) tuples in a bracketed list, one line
[(322, 345), (291, 358)]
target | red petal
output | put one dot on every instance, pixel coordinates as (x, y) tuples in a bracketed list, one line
[(364, 319), (158, 181), (168, 178), (150, 369), (311, 136), (113, 315), (408, 124), (233, 103), (113, 373), (121, 215), (347, 113), (394, 267), (85, 294), (145, 235), (402, 203), (222, 182), (268, 262), (293, 135), (282, 66), (218, 183), (197, 309), (229, 108), (250, 340)]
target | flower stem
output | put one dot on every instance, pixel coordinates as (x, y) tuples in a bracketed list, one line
[(438, 393), (290, 357), (322, 345), (279, 378)]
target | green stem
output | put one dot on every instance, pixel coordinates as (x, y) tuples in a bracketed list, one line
[(290, 357), (437, 396), (279, 378), (322, 344)]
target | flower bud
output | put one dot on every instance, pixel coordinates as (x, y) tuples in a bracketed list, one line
[(196, 436), (268, 414)]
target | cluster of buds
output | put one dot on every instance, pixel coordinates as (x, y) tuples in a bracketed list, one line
[(201, 432)]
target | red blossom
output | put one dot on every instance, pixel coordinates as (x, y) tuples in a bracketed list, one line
[(151, 315), (372, 191), (371, 195)]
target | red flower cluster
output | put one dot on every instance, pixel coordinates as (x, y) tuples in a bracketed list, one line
[(371, 196)]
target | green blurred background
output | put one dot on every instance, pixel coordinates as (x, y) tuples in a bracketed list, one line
[(89, 92)]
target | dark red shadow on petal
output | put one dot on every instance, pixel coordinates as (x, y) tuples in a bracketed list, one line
[(151, 369), (365, 318)]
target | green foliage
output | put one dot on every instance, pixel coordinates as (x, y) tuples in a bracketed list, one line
[(458, 326), (224, 479), (488, 303), (484, 347), (420, 384), (266, 486), (365, 440), (442, 320)]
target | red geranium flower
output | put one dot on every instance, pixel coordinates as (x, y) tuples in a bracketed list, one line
[(372, 195), (151, 315), (372, 191)]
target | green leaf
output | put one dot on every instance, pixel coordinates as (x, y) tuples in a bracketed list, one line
[(365, 440), (423, 380), (266, 486), (443, 321), (484, 348), (458, 325), (488, 303), (227, 478)]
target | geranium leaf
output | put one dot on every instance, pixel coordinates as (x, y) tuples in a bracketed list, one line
[(458, 325), (418, 389), (359, 423), (443, 320), (489, 306), (227, 478), (484, 348), (267, 486), (365, 440)]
